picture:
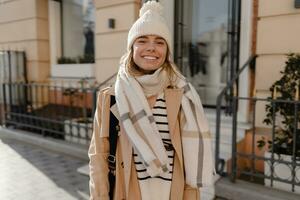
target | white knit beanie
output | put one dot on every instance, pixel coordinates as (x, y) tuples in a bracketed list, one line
[(151, 22)]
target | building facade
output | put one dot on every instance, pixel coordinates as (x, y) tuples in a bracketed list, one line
[(68, 40)]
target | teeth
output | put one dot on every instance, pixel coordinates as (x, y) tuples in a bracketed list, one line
[(150, 57)]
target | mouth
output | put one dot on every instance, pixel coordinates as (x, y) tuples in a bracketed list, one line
[(150, 57)]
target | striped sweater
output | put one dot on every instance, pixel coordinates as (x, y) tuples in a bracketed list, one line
[(159, 187)]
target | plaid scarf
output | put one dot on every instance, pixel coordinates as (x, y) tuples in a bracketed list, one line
[(138, 122)]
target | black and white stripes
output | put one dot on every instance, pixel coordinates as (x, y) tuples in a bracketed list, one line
[(160, 118)]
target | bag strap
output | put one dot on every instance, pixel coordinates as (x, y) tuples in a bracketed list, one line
[(113, 136)]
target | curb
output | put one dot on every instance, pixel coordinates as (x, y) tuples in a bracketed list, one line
[(59, 146), (250, 191)]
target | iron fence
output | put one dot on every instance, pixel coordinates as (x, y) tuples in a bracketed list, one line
[(220, 162), (274, 156), (51, 110)]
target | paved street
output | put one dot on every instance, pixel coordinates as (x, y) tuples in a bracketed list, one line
[(30, 173)]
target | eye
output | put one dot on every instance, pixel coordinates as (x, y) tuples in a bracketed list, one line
[(160, 42), (141, 41)]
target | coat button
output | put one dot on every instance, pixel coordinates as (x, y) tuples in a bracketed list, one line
[(122, 164)]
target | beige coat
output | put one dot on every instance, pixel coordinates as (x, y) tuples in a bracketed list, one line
[(127, 186)]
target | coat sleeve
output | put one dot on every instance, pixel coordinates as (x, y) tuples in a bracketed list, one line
[(99, 150)]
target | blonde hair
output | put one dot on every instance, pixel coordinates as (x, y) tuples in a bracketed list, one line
[(134, 70)]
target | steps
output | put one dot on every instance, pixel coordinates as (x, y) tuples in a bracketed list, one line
[(225, 143), (225, 132)]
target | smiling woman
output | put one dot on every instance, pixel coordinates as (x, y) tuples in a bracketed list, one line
[(149, 53), (153, 158)]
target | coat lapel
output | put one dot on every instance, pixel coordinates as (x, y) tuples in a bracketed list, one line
[(173, 101)]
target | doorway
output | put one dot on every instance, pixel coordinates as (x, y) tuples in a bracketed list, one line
[(206, 44)]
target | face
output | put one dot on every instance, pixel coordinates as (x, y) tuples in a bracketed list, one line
[(149, 53)]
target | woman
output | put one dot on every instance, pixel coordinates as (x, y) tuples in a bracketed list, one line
[(164, 145)]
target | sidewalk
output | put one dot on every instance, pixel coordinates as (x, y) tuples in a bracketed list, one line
[(29, 172)]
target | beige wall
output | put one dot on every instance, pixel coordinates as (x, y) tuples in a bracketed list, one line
[(278, 32), (111, 43), (24, 26)]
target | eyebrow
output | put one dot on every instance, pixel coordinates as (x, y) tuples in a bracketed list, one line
[(159, 38), (142, 37), (156, 38)]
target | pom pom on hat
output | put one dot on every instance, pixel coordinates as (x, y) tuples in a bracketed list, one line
[(151, 22), (151, 6)]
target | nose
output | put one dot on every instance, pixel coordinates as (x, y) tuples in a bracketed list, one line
[(151, 46)]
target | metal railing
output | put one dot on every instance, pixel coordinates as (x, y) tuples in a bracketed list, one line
[(219, 162), (51, 110), (264, 165), (55, 110), (251, 161)]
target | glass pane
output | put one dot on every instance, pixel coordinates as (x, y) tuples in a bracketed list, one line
[(205, 46), (78, 29)]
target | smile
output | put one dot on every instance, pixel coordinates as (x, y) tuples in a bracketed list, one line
[(150, 57)]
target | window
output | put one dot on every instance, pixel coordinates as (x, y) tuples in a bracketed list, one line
[(72, 31), (144, 1)]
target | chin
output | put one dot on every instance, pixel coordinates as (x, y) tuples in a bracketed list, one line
[(147, 67)]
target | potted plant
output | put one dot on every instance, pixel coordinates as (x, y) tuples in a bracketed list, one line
[(283, 144)]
